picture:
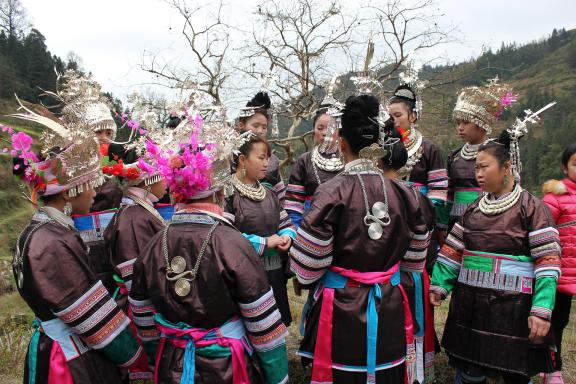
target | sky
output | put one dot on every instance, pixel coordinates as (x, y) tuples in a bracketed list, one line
[(112, 36)]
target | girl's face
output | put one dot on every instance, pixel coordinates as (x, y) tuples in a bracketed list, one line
[(470, 132), (258, 123), (402, 117), (158, 189), (489, 174), (256, 162), (570, 168), (321, 128), (82, 202), (104, 136)]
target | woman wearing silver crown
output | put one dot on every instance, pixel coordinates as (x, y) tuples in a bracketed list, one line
[(81, 335), (81, 98), (359, 228), (133, 226), (255, 118), (137, 221), (425, 167), (476, 112), (314, 167), (501, 262), (200, 294)]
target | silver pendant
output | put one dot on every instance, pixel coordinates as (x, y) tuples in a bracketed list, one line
[(178, 264), (379, 210), (375, 231), (182, 287)]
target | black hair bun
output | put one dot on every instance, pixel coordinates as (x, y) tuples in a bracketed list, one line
[(173, 122), (261, 99), (119, 152), (360, 110), (505, 138), (397, 155)]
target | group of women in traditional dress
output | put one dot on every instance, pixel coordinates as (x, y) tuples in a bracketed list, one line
[(371, 223)]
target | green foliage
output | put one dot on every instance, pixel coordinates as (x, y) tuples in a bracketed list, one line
[(540, 72)]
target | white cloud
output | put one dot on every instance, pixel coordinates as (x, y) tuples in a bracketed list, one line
[(111, 36)]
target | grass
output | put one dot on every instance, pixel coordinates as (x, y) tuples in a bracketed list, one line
[(15, 313), (444, 372)]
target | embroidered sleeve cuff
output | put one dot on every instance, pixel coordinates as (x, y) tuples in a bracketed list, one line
[(258, 242), (290, 232), (439, 290), (543, 313)]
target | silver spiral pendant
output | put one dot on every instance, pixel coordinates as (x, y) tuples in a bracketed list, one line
[(375, 231), (178, 264), (379, 210), (182, 287)]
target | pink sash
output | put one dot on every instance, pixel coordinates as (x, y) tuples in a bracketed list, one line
[(339, 278)]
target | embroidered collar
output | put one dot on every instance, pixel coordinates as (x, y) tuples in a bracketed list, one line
[(204, 207), (49, 213), (360, 166), (142, 194), (193, 215)]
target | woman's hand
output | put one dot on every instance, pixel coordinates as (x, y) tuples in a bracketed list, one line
[(435, 299), (538, 327), (274, 241), (286, 243)]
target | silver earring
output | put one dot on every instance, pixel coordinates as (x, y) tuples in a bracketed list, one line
[(243, 173), (68, 209), (506, 180)]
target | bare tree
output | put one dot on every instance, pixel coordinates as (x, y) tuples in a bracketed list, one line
[(208, 44), (13, 18), (403, 28), (305, 41), (297, 38)]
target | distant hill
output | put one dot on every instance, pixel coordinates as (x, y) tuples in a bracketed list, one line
[(540, 72)]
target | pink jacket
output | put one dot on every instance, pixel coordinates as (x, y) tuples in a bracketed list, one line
[(560, 196)]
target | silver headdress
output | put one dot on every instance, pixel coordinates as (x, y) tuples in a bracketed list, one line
[(410, 78), (73, 154), (517, 131), (250, 109), (82, 99), (484, 105), (209, 135), (366, 81), (144, 120), (326, 156)]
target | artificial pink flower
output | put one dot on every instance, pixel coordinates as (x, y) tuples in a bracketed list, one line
[(133, 124), (508, 99), (21, 141), (175, 162), (145, 167), (152, 148)]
